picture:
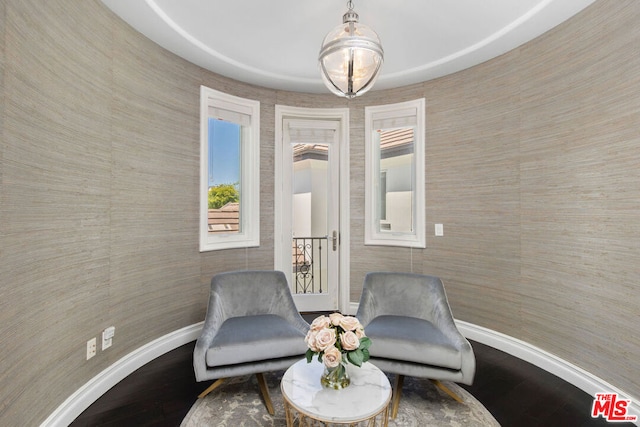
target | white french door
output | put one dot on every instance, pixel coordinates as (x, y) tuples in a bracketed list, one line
[(308, 210)]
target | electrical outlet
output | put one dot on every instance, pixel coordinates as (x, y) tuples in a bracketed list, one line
[(92, 345), (107, 337)]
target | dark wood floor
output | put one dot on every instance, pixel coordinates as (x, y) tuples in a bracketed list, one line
[(515, 392)]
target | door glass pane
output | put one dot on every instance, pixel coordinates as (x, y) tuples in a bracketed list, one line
[(310, 234), (225, 184)]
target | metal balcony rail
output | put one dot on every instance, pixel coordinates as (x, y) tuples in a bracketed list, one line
[(309, 264)]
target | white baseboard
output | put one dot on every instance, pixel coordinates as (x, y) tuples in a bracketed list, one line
[(101, 383), (572, 374), (561, 368)]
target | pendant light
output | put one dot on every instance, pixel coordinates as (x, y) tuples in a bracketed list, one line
[(350, 57)]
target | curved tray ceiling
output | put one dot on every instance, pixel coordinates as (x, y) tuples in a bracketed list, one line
[(275, 44)]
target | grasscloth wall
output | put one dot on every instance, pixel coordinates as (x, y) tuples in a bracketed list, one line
[(531, 167)]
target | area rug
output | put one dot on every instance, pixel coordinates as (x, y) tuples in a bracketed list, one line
[(238, 403)]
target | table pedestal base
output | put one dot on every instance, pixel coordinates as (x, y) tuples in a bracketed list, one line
[(298, 419), (366, 402)]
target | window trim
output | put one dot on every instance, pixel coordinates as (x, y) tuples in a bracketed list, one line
[(249, 236), (375, 235)]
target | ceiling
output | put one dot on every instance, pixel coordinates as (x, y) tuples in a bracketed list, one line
[(275, 44)]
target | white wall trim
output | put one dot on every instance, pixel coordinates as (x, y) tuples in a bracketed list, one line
[(561, 368), (408, 114), (101, 383), (283, 243)]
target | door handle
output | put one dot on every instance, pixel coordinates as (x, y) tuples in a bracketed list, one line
[(335, 240)]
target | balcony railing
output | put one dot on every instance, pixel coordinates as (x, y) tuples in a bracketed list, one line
[(310, 264)]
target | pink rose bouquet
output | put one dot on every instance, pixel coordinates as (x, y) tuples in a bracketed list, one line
[(337, 339)]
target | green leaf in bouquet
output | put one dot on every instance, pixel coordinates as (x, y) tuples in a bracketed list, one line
[(309, 355), (365, 343), (356, 357)]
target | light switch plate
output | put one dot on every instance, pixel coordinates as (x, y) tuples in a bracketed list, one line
[(107, 337)]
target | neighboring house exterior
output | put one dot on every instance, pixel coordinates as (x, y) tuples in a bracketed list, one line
[(225, 219)]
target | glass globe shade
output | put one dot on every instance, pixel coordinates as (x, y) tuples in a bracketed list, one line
[(350, 58)]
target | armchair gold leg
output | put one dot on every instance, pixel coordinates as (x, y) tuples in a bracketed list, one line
[(447, 390), (397, 392), (264, 390), (265, 393), (212, 387)]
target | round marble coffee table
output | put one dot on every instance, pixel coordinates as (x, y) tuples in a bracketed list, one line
[(308, 403)]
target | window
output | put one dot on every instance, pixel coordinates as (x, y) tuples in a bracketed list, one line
[(394, 183), (229, 171)]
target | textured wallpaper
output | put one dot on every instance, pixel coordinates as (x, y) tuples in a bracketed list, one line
[(531, 165)]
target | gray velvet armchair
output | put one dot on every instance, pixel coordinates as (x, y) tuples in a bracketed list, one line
[(408, 318), (252, 326)]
